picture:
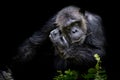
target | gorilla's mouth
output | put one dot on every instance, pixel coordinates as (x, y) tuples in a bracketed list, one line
[(80, 39)]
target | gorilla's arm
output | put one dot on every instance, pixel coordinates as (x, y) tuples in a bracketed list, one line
[(82, 55), (28, 48)]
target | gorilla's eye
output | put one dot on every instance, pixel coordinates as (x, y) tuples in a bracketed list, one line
[(76, 24), (55, 25), (67, 29)]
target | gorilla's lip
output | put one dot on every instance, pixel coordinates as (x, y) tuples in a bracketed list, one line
[(78, 39)]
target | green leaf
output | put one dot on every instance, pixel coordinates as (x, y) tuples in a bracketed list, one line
[(92, 70), (88, 76)]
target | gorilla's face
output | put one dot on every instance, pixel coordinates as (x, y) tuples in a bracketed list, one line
[(74, 33), (70, 34)]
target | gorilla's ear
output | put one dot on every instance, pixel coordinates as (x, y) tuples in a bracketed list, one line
[(92, 18)]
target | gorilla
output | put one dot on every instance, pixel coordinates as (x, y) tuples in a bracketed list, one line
[(68, 40)]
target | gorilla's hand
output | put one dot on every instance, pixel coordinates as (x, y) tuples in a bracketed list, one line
[(57, 39)]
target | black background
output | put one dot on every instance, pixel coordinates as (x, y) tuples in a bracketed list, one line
[(21, 19)]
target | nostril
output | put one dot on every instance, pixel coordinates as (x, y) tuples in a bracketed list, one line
[(73, 31), (76, 30)]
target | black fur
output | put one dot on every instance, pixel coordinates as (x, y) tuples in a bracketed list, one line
[(81, 56)]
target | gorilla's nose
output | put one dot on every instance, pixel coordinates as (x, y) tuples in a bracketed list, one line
[(74, 31)]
